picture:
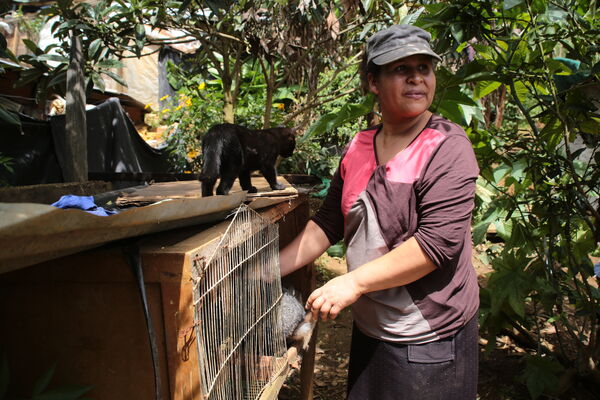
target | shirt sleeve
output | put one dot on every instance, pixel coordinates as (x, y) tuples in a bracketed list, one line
[(445, 200), (329, 217)]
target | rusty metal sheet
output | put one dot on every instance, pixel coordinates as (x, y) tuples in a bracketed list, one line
[(32, 233)]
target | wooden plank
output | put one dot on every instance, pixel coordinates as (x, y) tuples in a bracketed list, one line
[(192, 189), (307, 369), (142, 176), (92, 328), (263, 202), (39, 232), (180, 340), (307, 284)]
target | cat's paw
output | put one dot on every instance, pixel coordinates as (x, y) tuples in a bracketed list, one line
[(278, 186), (252, 190)]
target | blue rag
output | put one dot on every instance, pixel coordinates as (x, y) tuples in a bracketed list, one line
[(85, 203), (597, 269)]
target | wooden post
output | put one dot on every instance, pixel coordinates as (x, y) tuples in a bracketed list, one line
[(307, 368), (75, 168)]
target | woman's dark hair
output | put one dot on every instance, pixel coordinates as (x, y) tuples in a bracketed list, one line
[(367, 68)]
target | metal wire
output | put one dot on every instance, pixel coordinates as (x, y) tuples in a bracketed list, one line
[(237, 297)]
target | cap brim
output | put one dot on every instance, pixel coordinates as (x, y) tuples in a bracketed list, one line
[(402, 53)]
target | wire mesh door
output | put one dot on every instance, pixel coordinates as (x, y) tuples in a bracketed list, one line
[(237, 296)]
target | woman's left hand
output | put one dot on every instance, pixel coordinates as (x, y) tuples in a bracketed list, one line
[(331, 298)]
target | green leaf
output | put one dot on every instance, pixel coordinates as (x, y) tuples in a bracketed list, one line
[(66, 25), (116, 77), (32, 47), (9, 117), (410, 19), (554, 15), (451, 110), (348, 112), (93, 49), (107, 64), (541, 375), (483, 88), (509, 284), (455, 95), (591, 126), (59, 78), (552, 134), (140, 33), (284, 93), (53, 57), (558, 66), (367, 5), (500, 172), (521, 91), (42, 383), (98, 81), (479, 231), (518, 169), (508, 4), (503, 228), (457, 32)]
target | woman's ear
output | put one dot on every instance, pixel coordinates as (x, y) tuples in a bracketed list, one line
[(372, 84)]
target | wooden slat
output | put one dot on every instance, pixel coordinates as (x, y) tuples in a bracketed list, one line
[(186, 189)]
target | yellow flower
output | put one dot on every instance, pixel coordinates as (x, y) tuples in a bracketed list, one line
[(202, 86), (166, 110), (193, 154), (179, 107), (188, 102), (280, 106), (166, 96), (147, 106)]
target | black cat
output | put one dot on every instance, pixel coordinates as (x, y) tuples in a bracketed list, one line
[(232, 151)]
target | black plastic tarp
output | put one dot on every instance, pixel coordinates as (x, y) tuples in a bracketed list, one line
[(31, 153), (113, 146)]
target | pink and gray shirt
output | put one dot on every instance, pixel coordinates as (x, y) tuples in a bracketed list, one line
[(425, 191)]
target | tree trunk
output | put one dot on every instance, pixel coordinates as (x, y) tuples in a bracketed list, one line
[(228, 108), (75, 164), (270, 79), (500, 104)]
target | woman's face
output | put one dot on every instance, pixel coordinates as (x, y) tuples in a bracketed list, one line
[(405, 87)]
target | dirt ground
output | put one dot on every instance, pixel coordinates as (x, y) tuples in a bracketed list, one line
[(499, 369)]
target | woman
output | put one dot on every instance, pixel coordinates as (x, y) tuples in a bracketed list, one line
[(402, 199)]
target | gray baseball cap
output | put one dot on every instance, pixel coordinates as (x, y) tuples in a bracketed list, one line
[(398, 41)]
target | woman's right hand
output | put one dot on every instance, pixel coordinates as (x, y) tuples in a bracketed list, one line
[(328, 300)]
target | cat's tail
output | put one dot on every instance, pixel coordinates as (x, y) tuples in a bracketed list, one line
[(211, 166)]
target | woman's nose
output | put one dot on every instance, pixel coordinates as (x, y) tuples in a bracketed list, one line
[(414, 77)]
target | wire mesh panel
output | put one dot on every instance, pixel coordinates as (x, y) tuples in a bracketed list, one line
[(237, 296)]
